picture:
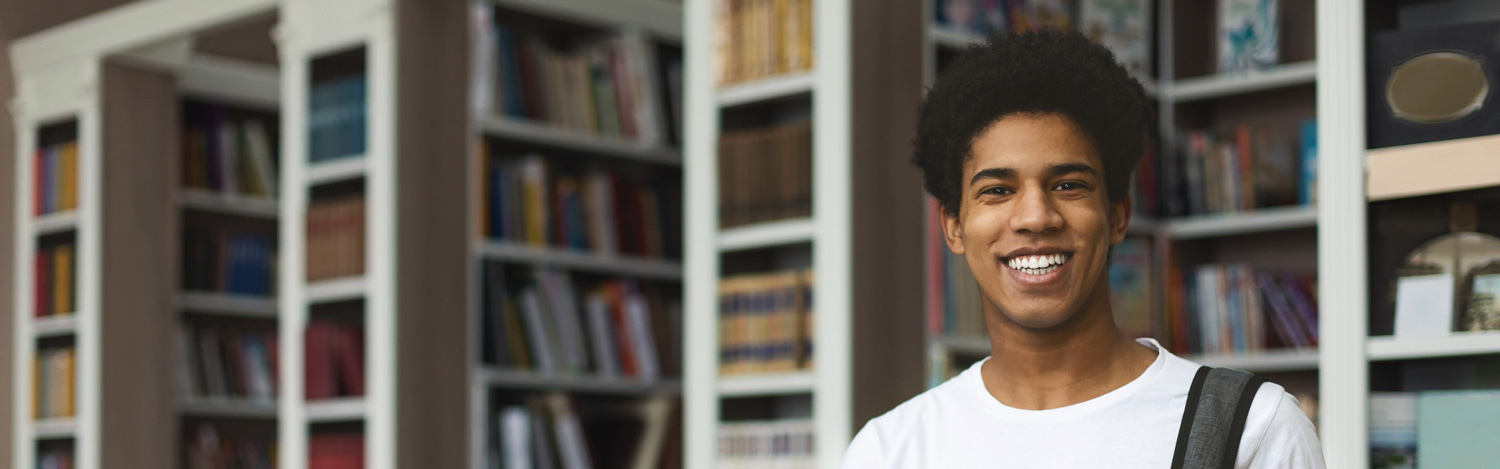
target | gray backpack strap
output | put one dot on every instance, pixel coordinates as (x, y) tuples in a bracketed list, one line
[(1214, 418)]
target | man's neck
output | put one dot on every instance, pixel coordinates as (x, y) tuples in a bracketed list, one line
[(1073, 363)]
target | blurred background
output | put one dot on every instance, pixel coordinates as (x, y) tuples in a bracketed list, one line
[(657, 233)]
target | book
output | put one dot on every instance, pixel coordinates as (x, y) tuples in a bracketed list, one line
[(1393, 430), (1123, 26), (1456, 429), (1036, 15), (758, 39), (1249, 35), (1130, 286)]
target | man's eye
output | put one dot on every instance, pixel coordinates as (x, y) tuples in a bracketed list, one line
[(1068, 186), (998, 191)]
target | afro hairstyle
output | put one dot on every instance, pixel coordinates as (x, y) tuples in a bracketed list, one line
[(1031, 73)]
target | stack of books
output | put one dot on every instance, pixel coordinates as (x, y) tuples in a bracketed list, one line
[(765, 174), (758, 39), (336, 238), (766, 322)]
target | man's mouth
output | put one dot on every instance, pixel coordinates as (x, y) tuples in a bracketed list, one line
[(1038, 264)]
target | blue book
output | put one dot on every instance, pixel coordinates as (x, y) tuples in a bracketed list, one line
[(510, 73), (50, 180), (1308, 191), (1458, 429)]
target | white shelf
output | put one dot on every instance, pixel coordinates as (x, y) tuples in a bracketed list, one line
[(1218, 86), (1239, 223), (55, 325), (338, 169), (56, 222), (964, 345), (228, 304), (228, 79), (952, 38), (1457, 344), (770, 384), (56, 429), (579, 260), (1266, 361), (339, 289), (763, 235), (227, 407), (228, 204), (553, 136), (339, 409), (767, 89), (660, 17), (522, 379)]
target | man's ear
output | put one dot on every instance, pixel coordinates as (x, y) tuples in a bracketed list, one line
[(953, 233), (1119, 219)]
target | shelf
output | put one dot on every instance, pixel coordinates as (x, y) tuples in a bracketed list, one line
[(339, 289), (56, 222), (527, 380), (963, 345), (1433, 168), (1265, 361), (338, 169), (338, 409), (55, 325), (1457, 344), (55, 429), (771, 384), (553, 136), (228, 304), (229, 204), (764, 235), (579, 260), (1239, 223), (767, 89), (951, 38), (1219, 86), (228, 79), (660, 17), (228, 407)]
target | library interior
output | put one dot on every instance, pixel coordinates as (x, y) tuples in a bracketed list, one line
[(317, 234)]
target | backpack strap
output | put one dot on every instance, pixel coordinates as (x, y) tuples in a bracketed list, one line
[(1214, 418)]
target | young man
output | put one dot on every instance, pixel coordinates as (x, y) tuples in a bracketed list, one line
[(1028, 143)]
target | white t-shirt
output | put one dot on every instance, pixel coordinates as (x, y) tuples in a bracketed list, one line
[(960, 425)]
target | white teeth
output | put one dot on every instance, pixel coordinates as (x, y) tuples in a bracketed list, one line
[(1037, 265)]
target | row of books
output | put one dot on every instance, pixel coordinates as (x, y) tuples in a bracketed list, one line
[(617, 329), (765, 174), (607, 88), (1124, 26), (1434, 429), (227, 363), (227, 156), (219, 259), (1232, 308), (54, 383), (337, 118), (54, 458), (55, 179), (208, 448), (781, 444), (336, 238), (530, 200), (336, 451), (55, 280), (549, 431), (1240, 170), (763, 38), (334, 360), (766, 322)]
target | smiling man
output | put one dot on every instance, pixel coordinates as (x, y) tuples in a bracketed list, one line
[(1028, 142)]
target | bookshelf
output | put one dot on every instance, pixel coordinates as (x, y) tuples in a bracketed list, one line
[(848, 237), (1190, 94), (539, 267)]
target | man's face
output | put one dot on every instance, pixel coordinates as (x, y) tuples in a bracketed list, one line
[(1035, 220)]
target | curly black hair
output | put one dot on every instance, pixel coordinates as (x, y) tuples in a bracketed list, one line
[(1042, 72)]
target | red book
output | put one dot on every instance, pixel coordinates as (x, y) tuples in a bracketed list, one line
[(318, 360), (614, 294), (351, 360)]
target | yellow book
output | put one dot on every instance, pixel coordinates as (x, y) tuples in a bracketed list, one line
[(69, 179), (36, 387), (806, 23), (62, 279), (69, 382), (534, 186)]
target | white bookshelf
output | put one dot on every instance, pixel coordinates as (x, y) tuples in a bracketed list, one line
[(343, 168), (342, 409), (533, 381), (660, 17), (53, 223), (227, 304), (228, 204), (768, 384), (556, 137), (786, 86), (56, 429), (768, 234), (1265, 361), (1240, 223), (55, 326), (338, 289), (625, 265), (227, 408), (1458, 344), (1221, 86)]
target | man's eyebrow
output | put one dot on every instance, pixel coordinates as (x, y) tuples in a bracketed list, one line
[(1068, 168), (993, 173)]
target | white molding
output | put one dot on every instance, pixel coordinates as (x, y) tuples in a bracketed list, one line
[(833, 251), (769, 234), (660, 17), (951, 38), (55, 429), (227, 407), (227, 304), (1382, 348), (127, 27), (1219, 86), (529, 380), (557, 137), (338, 409), (338, 169), (234, 80), (762, 385), (228, 204), (338, 289), (768, 89), (1240, 223), (1265, 361), (57, 222), (1433, 167), (55, 325), (578, 260), (700, 331)]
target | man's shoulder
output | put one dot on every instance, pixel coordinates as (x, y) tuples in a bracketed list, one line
[(923, 406)]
